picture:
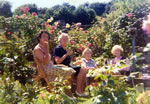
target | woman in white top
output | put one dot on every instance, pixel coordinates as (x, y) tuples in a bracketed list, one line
[(117, 51), (88, 62)]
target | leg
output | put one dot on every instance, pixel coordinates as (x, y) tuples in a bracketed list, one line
[(81, 80)]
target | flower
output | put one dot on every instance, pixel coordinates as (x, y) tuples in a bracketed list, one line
[(42, 24), (146, 25), (52, 31), (24, 15), (72, 42), (52, 28), (22, 9), (34, 14), (81, 29), (79, 49), (46, 23), (94, 84), (9, 33), (86, 32), (67, 25), (129, 15), (89, 45), (50, 20), (26, 9), (84, 41), (17, 16), (56, 23)]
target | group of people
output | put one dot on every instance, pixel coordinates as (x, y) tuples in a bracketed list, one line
[(62, 56)]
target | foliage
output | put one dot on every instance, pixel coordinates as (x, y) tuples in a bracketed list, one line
[(98, 7), (13, 62), (111, 91), (84, 15), (26, 24), (19, 38), (32, 8), (13, 92), (64, 12), (143, 98)]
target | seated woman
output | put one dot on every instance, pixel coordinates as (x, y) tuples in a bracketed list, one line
[(87, 61), (41, 53), (117, 51), (62, 56)]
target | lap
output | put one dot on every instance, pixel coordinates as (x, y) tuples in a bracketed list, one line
[(57, 71), (76, 68)]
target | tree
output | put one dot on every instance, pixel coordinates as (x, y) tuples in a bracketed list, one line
[(64, 14), (92, 15), (85, 16), (71, 7), (98, 7), (42, 13), (85, 5), (5, 8)]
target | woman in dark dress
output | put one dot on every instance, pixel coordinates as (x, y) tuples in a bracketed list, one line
[(62, 56)]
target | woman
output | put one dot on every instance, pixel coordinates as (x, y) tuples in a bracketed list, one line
[(41, 52), (87, 61), (62, 56), (117, 50)]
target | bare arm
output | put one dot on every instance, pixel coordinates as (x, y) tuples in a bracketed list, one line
[(59, 60)]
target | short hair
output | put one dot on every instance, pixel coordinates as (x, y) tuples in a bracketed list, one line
[(85, 50), (62, 35), (115, 47), (40, 34)]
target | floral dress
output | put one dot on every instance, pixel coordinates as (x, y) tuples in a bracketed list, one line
[(55, 71)]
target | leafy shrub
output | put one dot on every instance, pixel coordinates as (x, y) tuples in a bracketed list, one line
[(112, 91)]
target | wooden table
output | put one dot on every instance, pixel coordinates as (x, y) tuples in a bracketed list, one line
[(145, 81)]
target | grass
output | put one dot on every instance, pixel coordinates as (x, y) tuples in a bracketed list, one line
[(82, 100)]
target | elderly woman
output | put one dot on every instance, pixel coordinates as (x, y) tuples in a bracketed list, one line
[(88, 62), (117, 50), (62, 56), (41, 53)]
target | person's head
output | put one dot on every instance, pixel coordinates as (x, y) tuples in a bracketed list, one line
[(63, 39), (117, 50), (87, 53), (43, 36)]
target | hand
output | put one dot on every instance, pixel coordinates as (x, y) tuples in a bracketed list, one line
[(78, 62), (69, 52), (78, 58), (91, 68), (46, 45)]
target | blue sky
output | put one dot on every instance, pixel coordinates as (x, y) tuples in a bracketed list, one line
[(50, 3)]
